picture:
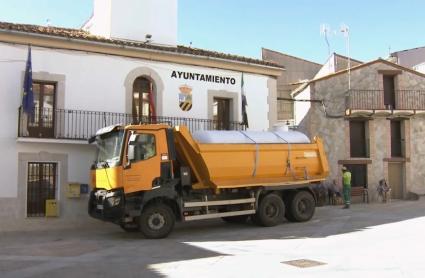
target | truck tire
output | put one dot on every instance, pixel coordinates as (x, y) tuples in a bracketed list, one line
[(157, 221), (301, 207), (270, 211), (236, 219)]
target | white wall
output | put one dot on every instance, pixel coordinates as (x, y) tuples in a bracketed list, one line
[(328, 68), (100, 23), (301, 107), (95, 82), (133, 19), (420, 68)]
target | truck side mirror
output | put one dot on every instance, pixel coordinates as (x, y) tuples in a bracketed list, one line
[(131, 153)]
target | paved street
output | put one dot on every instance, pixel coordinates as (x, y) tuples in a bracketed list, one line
[(385, 240)]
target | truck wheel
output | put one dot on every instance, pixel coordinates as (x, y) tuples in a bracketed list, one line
[(302, 207), (157, 221), (270, 211), (235, 219)]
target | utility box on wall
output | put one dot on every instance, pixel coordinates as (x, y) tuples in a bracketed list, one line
[(73, 190), (52, 208)]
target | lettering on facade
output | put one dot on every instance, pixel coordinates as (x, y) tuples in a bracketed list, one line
[(203, 77)]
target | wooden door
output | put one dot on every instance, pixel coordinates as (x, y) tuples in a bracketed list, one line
[(389, 91), (142, 100), (395, 179), (396, 139), (358, 143), (221, 113)]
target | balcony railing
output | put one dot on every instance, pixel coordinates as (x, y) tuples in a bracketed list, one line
[(374, 100), (81, 125)]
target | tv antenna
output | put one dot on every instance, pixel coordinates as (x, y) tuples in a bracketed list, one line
[(325, 31), (345, 30)]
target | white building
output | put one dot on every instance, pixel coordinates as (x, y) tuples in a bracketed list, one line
[(125, 68)]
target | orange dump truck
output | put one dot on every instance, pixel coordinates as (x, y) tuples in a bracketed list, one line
[(146, 177)]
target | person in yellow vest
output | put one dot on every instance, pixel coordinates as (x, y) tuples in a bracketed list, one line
[(346, 187)]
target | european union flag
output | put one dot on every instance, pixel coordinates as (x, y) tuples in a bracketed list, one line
[(28, 98)]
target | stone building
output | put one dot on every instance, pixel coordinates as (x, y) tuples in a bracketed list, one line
[(376, 128), (124, 67), (296, 70)]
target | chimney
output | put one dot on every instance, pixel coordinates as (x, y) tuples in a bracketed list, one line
[(150, 21)]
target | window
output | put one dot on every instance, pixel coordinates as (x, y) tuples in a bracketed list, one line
[(359, 138), (41, 186), (109, 148), (144, 147), (43, 122), (221, 113), (397, 140), (358, 174), (143, 106)]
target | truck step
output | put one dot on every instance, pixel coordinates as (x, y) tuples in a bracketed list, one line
[(218, 215), (219, 203)]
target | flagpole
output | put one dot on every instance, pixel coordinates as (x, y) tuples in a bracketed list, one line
[(28, 95), (244, 104)]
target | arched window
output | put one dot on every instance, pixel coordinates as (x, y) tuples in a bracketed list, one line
[(143, 104)]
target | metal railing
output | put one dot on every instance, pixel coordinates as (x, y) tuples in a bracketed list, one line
[(365, 99), (410, 99), (81, 125), (374, 100)]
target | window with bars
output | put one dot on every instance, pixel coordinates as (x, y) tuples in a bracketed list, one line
[(42, 184)]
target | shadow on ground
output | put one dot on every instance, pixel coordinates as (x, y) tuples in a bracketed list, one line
[(110, 252)]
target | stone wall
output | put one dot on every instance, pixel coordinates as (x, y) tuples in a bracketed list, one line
[(333, 126)]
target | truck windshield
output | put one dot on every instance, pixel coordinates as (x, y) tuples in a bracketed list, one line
[(109, 148)]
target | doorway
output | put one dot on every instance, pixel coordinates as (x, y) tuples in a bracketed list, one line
[(389, 92), (143, 106), (41, 186), (395, 179), (221, 113), (43, 122), (358, 174)]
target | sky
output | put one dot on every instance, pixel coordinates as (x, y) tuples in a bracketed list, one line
[(243, 27)]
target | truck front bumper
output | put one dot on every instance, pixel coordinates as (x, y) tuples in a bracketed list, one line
[(107, 205)]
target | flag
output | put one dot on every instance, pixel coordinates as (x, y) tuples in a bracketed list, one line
[(244, 104), (28, 97)]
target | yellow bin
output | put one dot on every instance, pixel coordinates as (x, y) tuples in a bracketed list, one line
[(52, 208)]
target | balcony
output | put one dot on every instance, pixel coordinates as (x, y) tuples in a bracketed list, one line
[(404, 102), (66, 124)]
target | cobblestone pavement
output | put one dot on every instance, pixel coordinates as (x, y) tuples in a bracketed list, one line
[(374, 239)]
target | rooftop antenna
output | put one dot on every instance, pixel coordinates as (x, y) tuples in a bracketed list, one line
[(325, 31), (148, 38), (345, 30)]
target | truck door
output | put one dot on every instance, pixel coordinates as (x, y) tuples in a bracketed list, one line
[(142, 160)]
